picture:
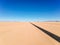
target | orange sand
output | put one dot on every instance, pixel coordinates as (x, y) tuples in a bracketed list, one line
[(23, 33)]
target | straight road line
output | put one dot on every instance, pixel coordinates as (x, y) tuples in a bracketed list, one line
[(57, 38)]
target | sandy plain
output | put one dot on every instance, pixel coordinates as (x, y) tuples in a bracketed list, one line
[(24, 33)]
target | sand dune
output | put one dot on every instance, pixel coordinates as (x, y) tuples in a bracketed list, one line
[(24, 33)]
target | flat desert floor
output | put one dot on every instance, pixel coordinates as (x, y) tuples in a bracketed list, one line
[(24, 33)]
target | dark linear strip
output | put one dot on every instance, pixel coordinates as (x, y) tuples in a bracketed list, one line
[(57, 38)]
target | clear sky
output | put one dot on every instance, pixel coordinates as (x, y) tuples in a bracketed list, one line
[(29, 10)]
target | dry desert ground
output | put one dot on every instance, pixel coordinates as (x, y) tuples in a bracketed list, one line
[(24, 33)]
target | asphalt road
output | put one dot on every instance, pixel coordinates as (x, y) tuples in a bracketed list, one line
[(57, 38)]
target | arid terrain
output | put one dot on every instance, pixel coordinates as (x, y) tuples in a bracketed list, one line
[(24, 33)]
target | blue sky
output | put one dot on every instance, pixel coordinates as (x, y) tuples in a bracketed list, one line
[(29, 10)]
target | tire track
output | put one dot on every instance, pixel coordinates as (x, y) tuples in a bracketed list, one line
[(57, 38)]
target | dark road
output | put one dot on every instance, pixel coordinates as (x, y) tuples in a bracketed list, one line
[(57, 38)]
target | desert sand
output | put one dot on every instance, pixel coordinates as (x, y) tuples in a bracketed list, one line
[(24, 33)]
